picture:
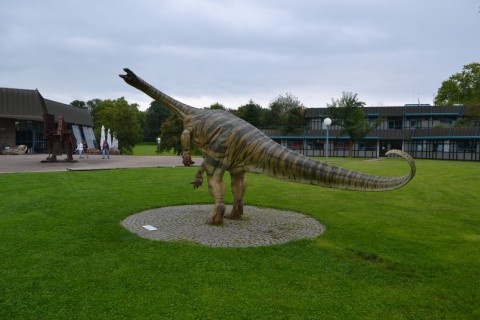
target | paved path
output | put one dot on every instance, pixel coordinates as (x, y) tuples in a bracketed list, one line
[(33, 163)]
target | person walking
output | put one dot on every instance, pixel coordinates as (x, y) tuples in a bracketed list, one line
[(85, 149), (105, 150), (80, 149)]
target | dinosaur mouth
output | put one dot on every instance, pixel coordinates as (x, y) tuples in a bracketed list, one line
[(128, 76)]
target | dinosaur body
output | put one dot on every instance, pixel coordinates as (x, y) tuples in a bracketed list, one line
[(231, 144)]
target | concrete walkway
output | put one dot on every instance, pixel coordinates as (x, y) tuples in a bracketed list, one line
[(33, 163)]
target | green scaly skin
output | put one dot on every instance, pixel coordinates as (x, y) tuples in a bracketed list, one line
[(231, 144)]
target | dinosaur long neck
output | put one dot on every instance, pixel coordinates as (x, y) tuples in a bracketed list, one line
[(173, 105), (285, 164)]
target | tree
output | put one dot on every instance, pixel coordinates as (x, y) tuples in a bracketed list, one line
[(170, 133), (79, 104), (93, 104), (216, 106), (295, 118), (155, 116), (473, 114), (461, 88), (348, 113), (121, 118), (252, 113), (90, 105), (286, 111)]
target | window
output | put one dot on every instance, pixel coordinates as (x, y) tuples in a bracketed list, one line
[(446, 121), (419, 145), (416, 123), (466, 146), (316, 124), (394, 124), (339, 145), (30, 133), (438, 145)]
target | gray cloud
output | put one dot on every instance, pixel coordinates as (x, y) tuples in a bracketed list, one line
[(209, 51)]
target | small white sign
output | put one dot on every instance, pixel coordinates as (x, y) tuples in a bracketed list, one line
[(149, 227)]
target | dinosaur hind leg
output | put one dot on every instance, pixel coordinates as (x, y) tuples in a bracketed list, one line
[(217, 190), (239, 186)]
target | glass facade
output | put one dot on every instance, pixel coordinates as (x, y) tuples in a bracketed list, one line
[(30, 133)]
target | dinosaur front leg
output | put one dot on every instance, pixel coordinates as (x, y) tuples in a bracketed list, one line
[(217, 190), (185, 139), (239, 186), (198, 181)]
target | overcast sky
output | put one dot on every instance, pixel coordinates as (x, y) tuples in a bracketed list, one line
[(229, 51)]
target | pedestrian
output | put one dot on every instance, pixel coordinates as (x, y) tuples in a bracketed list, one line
[(105, 150), (85, 148), (80, 149)]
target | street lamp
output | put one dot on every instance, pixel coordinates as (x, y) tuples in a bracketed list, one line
[(327, 122), (158, 145)]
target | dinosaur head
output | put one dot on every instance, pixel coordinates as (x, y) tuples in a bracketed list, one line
[(135, 81), (131, 78)]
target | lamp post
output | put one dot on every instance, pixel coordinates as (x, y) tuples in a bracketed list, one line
[(327, 122), (158, 145)]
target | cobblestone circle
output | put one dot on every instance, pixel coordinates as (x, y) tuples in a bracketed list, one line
[(257, 227)]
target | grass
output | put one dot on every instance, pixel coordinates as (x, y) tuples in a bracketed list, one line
[(412, 253), (145, 149), (148, 149)]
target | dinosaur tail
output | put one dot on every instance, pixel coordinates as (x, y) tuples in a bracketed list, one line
[(289, 165), (175, 106)]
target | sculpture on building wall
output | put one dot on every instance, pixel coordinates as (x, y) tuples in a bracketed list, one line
[(231, 144), (58, 136)]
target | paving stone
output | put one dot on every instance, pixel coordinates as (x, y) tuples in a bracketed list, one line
[(258, 226)]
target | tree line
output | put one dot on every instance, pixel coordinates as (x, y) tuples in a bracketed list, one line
[(131, 125)]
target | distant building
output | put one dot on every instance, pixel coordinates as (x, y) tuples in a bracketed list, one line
[(21, 119), (424, 131)]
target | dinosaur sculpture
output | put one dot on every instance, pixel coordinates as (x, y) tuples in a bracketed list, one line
[(231, 144)]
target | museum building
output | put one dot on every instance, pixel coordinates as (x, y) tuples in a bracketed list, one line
[(22, 116)]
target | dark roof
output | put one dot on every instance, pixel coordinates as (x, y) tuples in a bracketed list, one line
[(21, 104), (24, 104), (397, 111), (70, 113)]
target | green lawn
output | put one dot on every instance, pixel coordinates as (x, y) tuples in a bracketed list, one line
[(149, 149), (145, 149), (412, 253)]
